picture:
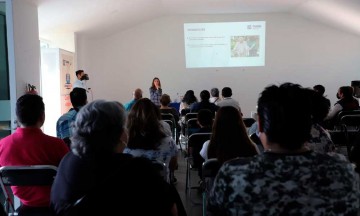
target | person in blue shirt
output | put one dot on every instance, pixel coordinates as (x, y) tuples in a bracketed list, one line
[(78, 99), (137, 94)]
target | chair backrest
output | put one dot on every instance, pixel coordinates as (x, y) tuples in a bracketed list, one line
[(350, 124), (195, 143), (190, 116), (29, 175), (161, 167), (210, 168), (248, 121), (337, 120), (351, 121), (191, 126), (255, 138), (167, 116), (34, 175), (172, 127)]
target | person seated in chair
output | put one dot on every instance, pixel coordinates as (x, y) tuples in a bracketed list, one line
[(288, 178), (148, 138), (346, 103), (164, 108), (78, 99), (137, 94), (28, 145), (97, 178), (205, 120), (229, 138), (214, 95), (204, 103)]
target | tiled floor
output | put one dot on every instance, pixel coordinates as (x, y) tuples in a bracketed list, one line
[(191, 208)]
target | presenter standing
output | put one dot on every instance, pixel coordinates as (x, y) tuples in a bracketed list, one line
[(155, 91), (80, 82)]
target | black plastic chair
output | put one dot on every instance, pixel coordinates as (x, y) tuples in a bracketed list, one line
[(191, 126), (351, 127), (210, 169), (248, 122), (336, 124), (194, 160), (255, 138), (35, 175)]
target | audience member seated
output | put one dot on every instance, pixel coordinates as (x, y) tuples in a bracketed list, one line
[(204, 103), (137, 94), (164, 108), (205, 121), (96, 178), (320, 139), (287, 179), (320, 89), (346, 102), (147, 137), (214, 95), (78, 99), (229, 138), (226, 100), (28, 145), (188, 99)]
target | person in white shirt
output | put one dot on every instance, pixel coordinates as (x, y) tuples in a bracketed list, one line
[(226, 93), (80, 83), (214, 95)]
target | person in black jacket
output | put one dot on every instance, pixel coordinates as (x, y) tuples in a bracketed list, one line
[(96, 178)]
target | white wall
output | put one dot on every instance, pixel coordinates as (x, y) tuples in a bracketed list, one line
[(297, 50), (65, 41), (23, 48)]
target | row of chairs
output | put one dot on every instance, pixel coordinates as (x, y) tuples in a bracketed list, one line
[(347, 130)]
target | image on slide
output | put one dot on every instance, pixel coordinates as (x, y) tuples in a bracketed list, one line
[(244, 46)]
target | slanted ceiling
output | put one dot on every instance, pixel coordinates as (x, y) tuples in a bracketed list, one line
[(98, 17)]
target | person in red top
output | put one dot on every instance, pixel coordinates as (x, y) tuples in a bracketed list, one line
[(28, 145)]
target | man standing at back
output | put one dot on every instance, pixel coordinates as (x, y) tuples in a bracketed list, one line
[(226, 93), (78, 99), (80, 83), (28, 145)]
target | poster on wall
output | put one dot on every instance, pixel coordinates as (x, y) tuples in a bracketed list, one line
[(67, 79)]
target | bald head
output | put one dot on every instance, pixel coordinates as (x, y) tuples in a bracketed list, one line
[(137, 94)]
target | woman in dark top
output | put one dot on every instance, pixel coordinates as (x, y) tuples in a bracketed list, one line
[(188, 99), (204, 103), (96, 178)]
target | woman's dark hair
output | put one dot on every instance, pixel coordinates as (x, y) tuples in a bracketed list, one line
[(98, 128), (320, 106), (229, 138), (152, 84), (189, 97), (145, 130)]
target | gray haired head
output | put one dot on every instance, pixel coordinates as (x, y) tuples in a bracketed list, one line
[(98, 128)]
